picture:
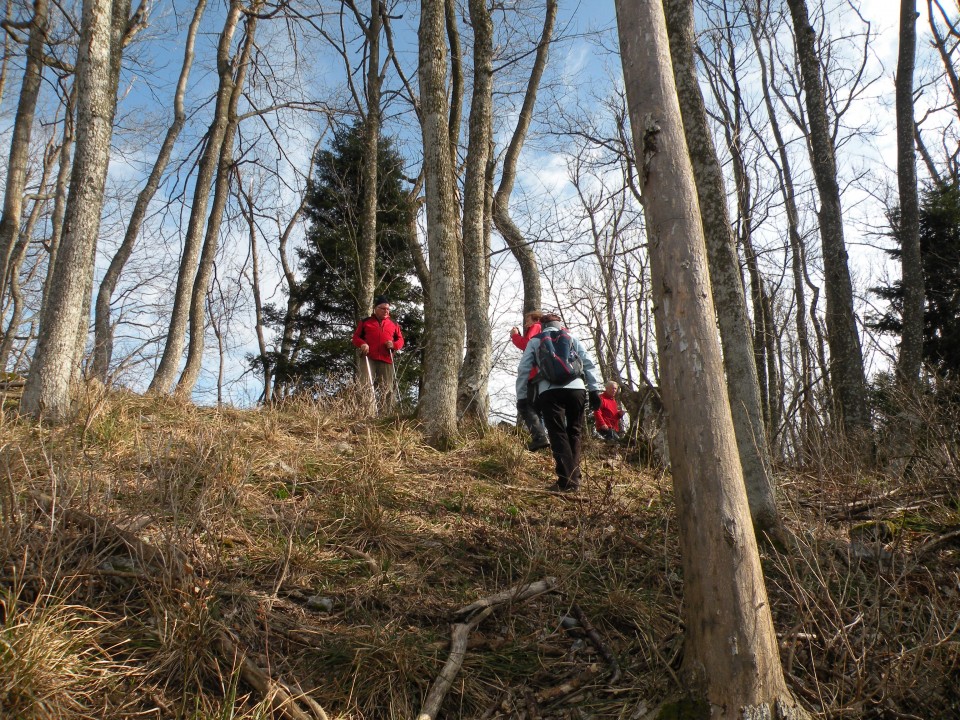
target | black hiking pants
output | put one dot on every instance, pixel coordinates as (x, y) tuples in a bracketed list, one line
[(562, 412)]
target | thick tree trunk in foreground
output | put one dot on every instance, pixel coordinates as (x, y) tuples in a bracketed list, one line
[(725, 280), (445, 317), (519, 246), (846, 357), (48, 387), (911, 340), (731, 658), (472, 399), (179, 316)]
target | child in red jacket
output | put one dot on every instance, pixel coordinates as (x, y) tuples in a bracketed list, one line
[(608, 416)]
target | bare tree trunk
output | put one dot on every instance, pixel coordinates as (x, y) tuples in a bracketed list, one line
[(20, 139), (209, 160), (48, 389), (247, 210), (445, 316), (103, 330), (60, 193), (473, 400), (731, 657), (211, 242), (797, 250), (519, 246), (911, 341), (725, 278), (5, 63), (367, 249), (846, 357)]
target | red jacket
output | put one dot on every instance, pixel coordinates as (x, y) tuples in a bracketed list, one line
[(608, 414), (375, 334), (523, 339)]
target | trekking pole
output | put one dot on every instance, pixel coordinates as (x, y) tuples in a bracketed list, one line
[(373, 392), (396, 382)]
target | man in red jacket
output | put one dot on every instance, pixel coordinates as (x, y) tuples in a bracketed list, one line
[(378, 337)]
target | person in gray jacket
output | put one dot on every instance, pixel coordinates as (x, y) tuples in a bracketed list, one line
[(562, 406)]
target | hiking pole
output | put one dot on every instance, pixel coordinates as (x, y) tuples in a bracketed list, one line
[(396, 382), (373, 393)]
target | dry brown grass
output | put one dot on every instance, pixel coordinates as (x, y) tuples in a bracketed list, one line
[(333, 550)]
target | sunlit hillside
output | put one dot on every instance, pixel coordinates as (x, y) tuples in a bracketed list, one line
[(166, 561)]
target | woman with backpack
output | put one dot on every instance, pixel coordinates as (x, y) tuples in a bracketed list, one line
[(566, 375)]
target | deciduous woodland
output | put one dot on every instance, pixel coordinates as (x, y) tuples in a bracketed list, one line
[(747, 211)]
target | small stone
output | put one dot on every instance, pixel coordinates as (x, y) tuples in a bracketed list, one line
[(323, 604)]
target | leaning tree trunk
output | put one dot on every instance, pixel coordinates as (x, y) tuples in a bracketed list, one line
[(519, 246), (103, 329), (725, 279), (846, 357), (48, 388), (911, 341), (472, 399), (731, 657), (445, 317), (211, 241), (20, 139), (179, 316)]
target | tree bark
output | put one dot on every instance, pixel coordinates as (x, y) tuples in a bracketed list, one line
[(209, 160), (472, 398), (445, 315), (211, 241), (519, 246), (48, 389), (725, 279), (20, 139), (103, 329), (367, 250), (911, 340), (731, 657), (846, 357)]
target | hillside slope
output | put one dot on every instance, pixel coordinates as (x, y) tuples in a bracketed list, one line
[(162, 560)]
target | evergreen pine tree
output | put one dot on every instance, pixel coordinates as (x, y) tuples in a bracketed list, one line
[(940, 253), (329, 306)]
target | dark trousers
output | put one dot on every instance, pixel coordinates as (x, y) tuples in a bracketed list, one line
[(531, 419), (562, 412)]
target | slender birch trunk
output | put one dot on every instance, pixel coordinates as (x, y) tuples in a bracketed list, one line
[(911, 340), (211, 243), (367, 241), (207, 166), (103, 329), (20, 139), (473, 400), (846, 356)]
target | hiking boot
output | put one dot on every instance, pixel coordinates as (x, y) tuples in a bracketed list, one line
[(557, 487), (538, 444)]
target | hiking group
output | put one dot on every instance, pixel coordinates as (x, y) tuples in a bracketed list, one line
[(556, 379)]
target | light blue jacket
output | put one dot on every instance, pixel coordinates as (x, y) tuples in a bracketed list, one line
[(528, 361)]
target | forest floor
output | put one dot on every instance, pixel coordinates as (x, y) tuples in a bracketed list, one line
[(166, 561)]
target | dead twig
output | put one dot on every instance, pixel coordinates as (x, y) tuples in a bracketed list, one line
[(515, 594), (601, 647)]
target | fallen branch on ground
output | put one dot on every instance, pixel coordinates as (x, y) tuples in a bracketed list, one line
[(594, 637)]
